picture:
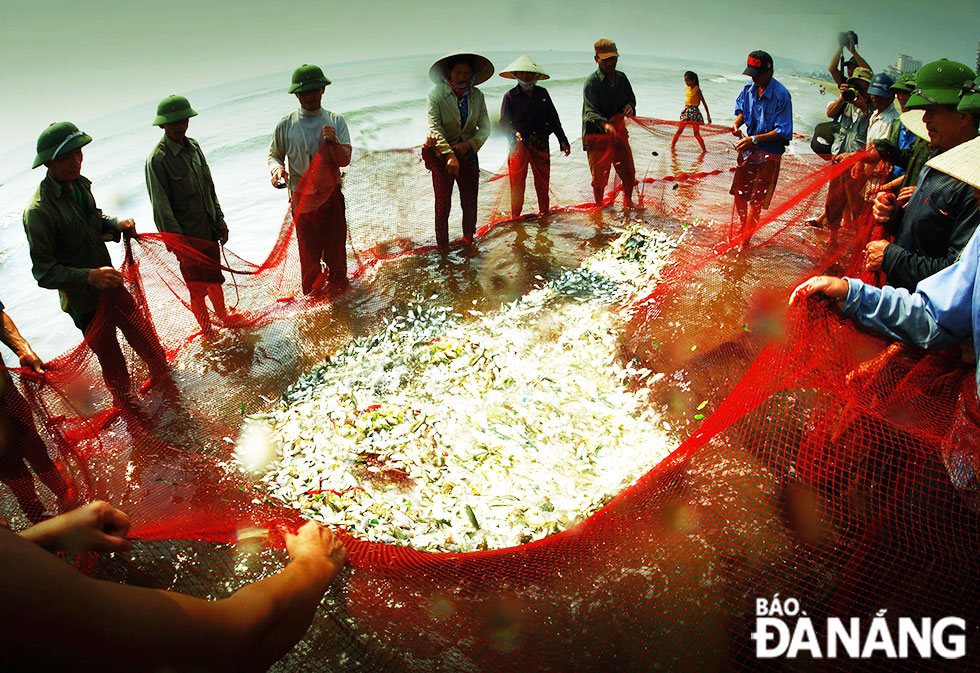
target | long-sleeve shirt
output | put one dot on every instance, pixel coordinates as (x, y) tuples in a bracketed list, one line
[(66, 234), (602, 100), (444, 118), (531, 114), (182, 191), (297, 140), (938, 221), (944, 309), (772, 111)]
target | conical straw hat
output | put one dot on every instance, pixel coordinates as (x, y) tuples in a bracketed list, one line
[(913, 122), (524, 64), (962, 162), (482, 68)]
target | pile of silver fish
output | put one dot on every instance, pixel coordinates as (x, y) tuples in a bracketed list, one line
[(457, 433)]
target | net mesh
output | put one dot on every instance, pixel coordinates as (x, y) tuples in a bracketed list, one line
[(826, 464)]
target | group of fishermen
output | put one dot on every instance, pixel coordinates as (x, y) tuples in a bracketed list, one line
[(67, 231)]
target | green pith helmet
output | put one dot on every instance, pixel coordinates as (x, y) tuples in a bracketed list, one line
[(939, 83), (905, 82), (58, 140), (173, 109), (307, 78), (970, 102)]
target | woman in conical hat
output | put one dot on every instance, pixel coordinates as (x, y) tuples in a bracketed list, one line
[(458, 127), (529, 117)]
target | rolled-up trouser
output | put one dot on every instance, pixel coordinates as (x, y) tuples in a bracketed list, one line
[(754, 181), (197, 274), (321, 235), (611, 151)]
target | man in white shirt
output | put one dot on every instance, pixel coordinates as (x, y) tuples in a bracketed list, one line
[(314, 141), (885, 114)]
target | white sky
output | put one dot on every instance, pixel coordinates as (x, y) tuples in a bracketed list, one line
[(80, 59)]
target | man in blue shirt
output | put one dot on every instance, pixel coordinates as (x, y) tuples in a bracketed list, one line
[(766, 109)]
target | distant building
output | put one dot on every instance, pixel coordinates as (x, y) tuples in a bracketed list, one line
[(907, 64)]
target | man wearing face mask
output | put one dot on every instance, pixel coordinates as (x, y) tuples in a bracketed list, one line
[(529, 117)]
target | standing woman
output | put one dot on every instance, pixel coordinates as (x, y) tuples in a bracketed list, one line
[(691, 113), (458, 127), (529, 118)]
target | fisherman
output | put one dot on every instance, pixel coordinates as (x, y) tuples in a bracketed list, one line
[(850, 111), (458, 128), (940, 217), (906, 150), (766, 108), (67, 235), (607, 99), (944, 308), (185, 203), (529, 117), (313, 136), (19, 440)]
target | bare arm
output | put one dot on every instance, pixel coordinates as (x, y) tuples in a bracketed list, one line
[(860, 59), (739, 120), (11, 336), (108, 627), (705, 103), (834, 67), (835, 107)]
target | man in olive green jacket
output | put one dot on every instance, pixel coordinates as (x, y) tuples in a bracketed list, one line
[(66, 233), (185, 203)]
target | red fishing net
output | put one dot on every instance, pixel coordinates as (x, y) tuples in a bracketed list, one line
[(825, 467)]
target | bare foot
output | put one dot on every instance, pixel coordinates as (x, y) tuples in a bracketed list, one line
[(234, 319)]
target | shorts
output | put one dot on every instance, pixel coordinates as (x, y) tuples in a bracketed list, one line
[(755, 181)]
